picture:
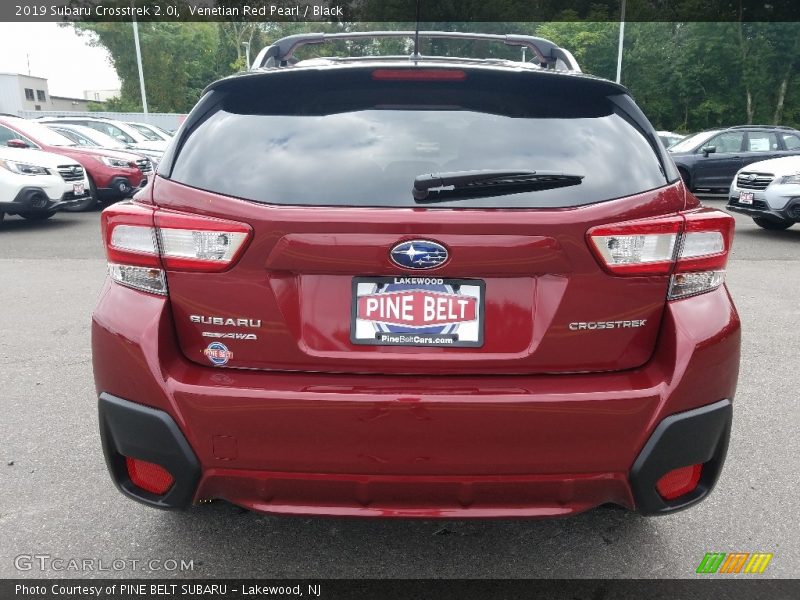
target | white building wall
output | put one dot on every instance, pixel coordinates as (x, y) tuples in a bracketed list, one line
[(58, 103), (12, 92), (101, 95), (9, 94)]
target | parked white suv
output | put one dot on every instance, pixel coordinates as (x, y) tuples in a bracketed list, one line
[(36, 184), (769, 192)]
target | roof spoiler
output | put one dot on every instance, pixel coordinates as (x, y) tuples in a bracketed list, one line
[(281, 53)]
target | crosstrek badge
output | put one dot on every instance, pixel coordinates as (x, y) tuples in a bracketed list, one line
[(417, 311)]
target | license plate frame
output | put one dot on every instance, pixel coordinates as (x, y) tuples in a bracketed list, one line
[(467, 333), (78, 189), (746, 198)]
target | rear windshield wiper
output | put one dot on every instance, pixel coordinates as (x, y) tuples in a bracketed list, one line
[(471, 184)]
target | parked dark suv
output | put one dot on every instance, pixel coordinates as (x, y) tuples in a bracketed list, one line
[(708, 160), (427, 287)]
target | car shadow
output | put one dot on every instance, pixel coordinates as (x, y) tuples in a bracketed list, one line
[(755, 232), (298, 547), (16, 224)]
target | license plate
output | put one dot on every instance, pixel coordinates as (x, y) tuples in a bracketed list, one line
[(77, 189), (745, 197), (417, 311)]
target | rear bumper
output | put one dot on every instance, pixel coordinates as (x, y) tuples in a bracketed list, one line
[(457, 446), (696, 436)]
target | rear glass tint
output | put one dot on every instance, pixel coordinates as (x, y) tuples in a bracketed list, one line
[(363, 144)]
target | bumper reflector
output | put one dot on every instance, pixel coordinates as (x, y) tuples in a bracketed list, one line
[(678, 482), (149, 476)]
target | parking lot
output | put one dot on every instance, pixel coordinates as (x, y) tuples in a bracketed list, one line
[(56, 498)]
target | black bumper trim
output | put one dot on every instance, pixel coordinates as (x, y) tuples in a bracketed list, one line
[(31, 200), (137, 431), (119, 187), (696, 436), (785, 214)]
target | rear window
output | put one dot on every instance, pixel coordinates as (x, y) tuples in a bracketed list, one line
[(363, 144)]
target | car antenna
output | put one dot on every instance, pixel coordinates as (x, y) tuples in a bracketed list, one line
[(416, 56)]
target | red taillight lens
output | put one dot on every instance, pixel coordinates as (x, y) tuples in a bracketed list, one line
[(129, 234), (194, 243), (678, 482), (645, 247), (412, 74), (693, 247), (149, 476), (141, 241), (707, 241)]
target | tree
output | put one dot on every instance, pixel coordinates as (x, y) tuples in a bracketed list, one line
[(685, 75), (178, 59)]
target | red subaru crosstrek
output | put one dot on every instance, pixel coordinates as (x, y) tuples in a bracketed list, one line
[(416, 288)]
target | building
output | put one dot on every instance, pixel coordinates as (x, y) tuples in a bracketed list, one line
[(101, 95), (25, 92), (62, 103)]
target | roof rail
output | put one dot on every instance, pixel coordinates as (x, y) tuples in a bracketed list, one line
[(760, 127), (280, 53)]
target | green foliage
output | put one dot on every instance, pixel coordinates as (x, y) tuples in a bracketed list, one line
[(178, 59), (696, 75), (686, 76)]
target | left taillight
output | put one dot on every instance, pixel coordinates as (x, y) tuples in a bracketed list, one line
[(142, 242), (691, 247)]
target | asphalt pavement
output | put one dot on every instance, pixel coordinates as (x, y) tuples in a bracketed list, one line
[(57, 500)]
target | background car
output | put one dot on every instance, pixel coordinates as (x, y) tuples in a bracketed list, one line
[(112, 174), (669, 138), (769, 192), (86, 136), (148, 129), (80, 139), (708, 160), (132, 137), (35, 184)]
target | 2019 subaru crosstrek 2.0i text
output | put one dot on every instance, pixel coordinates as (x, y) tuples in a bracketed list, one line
[(433, 288)]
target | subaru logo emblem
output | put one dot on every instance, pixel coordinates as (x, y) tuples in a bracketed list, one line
[(418, 254), (751, 177)]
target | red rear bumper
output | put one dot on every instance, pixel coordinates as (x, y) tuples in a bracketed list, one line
[(450, 446)]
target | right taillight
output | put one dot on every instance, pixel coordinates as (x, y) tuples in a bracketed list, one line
[(691, 247), (702, 254), (142, 241)]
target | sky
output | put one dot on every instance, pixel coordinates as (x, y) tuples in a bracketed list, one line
[(59, 54)]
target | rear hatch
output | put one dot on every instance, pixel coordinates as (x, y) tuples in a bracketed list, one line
[(346, 271)]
